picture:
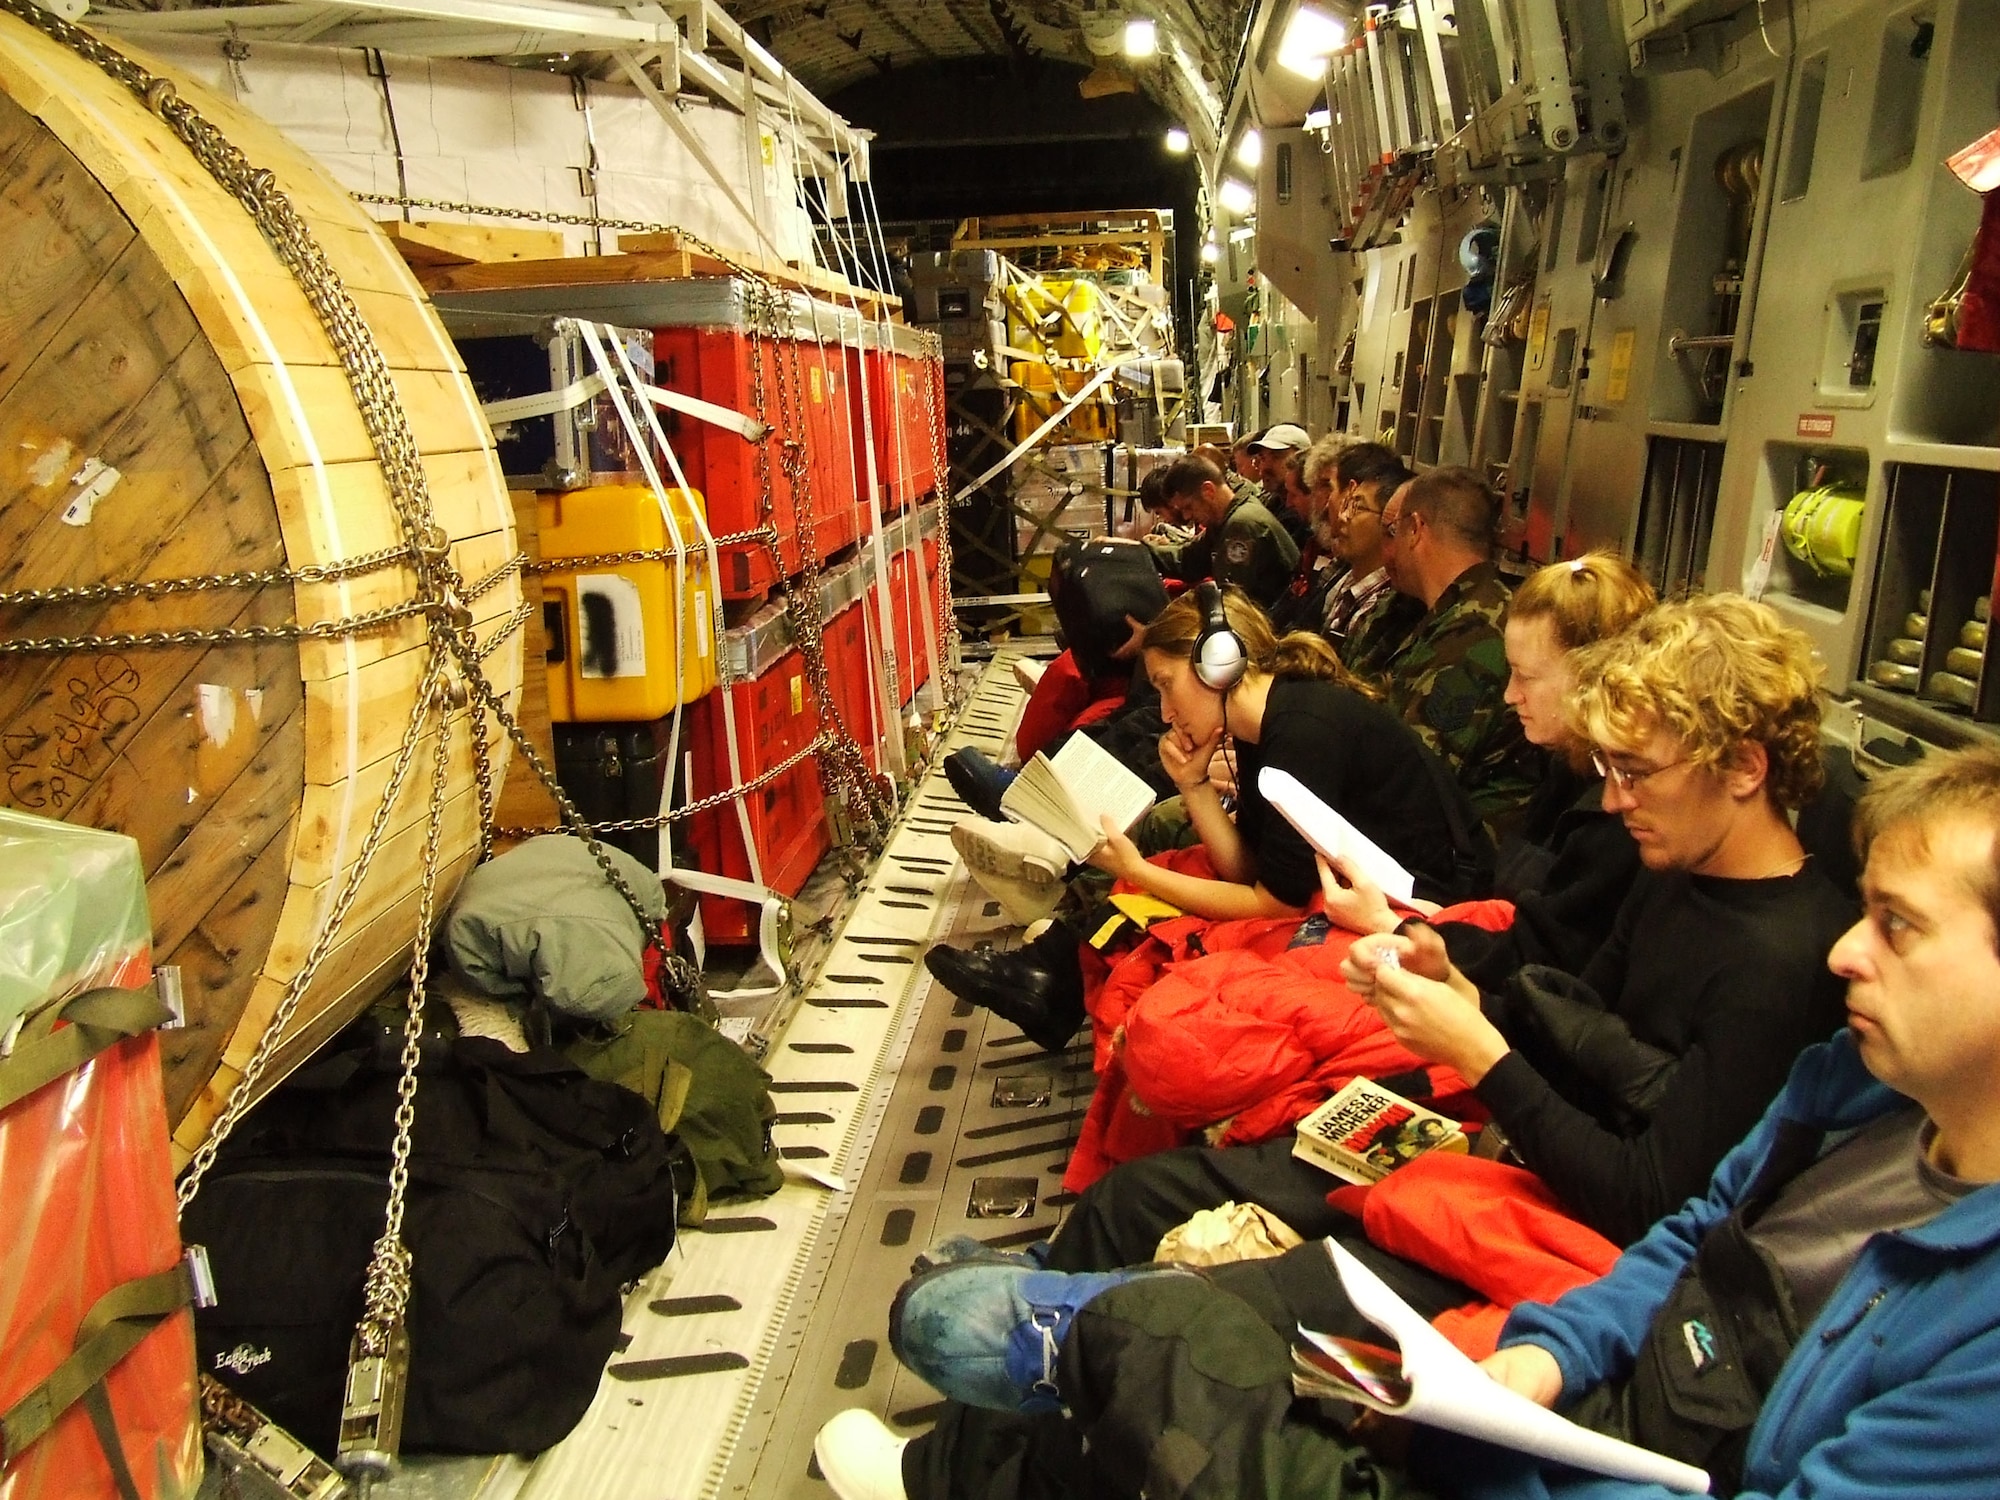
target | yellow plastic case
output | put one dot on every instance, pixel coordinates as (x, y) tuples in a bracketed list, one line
[(611, 626)]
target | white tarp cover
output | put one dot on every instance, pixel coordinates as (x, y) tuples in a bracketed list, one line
[(515, 138)]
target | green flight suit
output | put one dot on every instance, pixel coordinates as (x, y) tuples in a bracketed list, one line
[(1448, 683), (1248, 547)]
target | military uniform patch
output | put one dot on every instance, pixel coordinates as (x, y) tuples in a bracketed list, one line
[(1236, 551)]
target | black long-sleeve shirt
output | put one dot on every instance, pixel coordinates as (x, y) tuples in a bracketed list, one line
[(1730, 977), (1567, 900)]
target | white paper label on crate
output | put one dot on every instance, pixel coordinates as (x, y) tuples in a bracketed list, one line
[(92, 482), (1760, 571), (704, 641), (610, 627)]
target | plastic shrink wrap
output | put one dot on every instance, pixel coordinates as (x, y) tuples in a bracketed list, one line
[(89, 1222)]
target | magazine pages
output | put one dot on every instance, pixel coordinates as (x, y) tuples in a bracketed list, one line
[(1332, 835), (1440, 1387)]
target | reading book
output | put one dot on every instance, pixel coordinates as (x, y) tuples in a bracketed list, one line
[(1364, 1132), (1427, 1379), (1066, 796), (1332, 835)]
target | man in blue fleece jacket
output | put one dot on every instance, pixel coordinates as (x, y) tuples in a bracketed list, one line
[(1824, 1323)]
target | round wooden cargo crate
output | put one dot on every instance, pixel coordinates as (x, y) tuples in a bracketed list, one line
[(171, 407)]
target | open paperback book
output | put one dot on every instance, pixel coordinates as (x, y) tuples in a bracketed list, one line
[(1066, 796), (1332, 835), (1432, 1382)]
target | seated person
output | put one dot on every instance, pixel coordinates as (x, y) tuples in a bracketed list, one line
[(1572, 862), (1277, 452), (1449, 678), (1241, 542), (1366, 619), (1706, 715), (1822, 1321), (1310, 487), (1286, 703)]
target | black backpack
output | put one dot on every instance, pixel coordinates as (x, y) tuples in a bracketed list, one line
[(1094, 583), (535, 1194)]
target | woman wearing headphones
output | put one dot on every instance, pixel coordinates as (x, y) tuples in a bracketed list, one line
[(1285, 702)]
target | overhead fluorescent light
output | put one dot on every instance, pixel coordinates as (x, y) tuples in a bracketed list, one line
[(1177, 141), (1211, 253), (1249, 150), (1142, 37), (1236, 195), (1310, 38)]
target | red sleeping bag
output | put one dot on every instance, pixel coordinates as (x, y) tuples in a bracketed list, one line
[(1224, 1021)]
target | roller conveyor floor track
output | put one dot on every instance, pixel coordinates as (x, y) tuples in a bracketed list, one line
[(932, 1117)]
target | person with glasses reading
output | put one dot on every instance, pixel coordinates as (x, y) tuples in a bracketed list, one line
[(1821, 1320), (1621, 1087)]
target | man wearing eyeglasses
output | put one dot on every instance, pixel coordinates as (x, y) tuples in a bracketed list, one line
[(1448, 680), (1367, 620), (1622, 1087)]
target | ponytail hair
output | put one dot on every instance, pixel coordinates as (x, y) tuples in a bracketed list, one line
[(1298, 655), (1585, 600)]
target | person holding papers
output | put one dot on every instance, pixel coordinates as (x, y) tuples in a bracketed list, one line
[(1622, 1087), (1569, 865), (1286, 703), (1821, 1323)]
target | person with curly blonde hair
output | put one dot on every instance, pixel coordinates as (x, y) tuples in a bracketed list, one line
[(1621, 1085)]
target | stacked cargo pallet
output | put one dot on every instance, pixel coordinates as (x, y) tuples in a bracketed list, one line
[(1061, 397), (738, 552)]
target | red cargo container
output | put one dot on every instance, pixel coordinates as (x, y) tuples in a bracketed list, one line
[(900, 393), (913, 602), (850, 669), (775, 718)]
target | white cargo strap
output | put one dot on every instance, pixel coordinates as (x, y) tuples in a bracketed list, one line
[(754, 890), (573, 395), (542, 403), (1013, 456), (770, 963), (594, 342), (746, 427)]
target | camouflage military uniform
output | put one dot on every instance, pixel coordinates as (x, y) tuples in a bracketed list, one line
[(1247, 547), (1377, 633), (1448, 681)]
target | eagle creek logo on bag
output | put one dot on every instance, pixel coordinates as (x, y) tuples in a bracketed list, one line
[(1700, 1344), (242, 1359)]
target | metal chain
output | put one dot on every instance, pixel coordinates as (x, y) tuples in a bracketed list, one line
[(765, 535), (678, 971), (690, 809), (386, 1290), (843, 771), (291, 630), (157, 588), (947, 620), (253, 1069)]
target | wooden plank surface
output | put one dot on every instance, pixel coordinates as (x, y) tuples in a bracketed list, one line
[(158, 332), (425, 243)]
